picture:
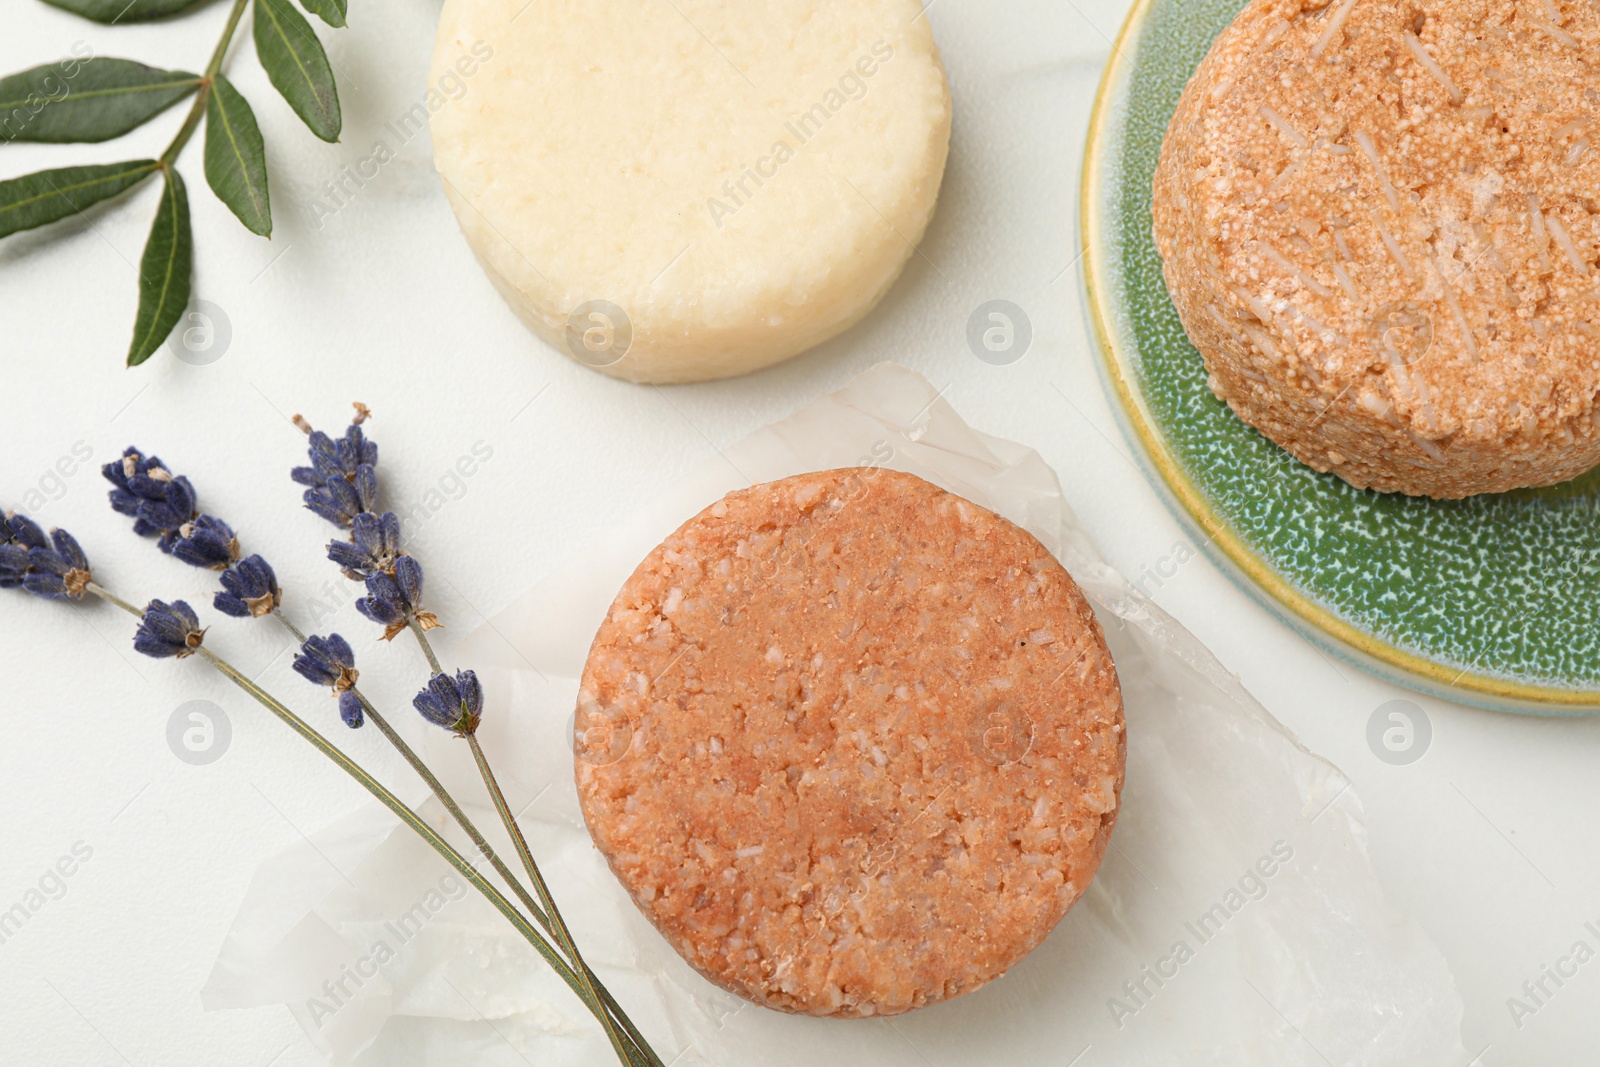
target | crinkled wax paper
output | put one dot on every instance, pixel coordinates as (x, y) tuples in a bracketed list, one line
[(1236, 919)]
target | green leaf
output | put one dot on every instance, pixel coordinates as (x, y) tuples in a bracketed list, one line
[(164, 272), (236, 158), (332, 12), (110, 11), (297, 66), (86, 100), (48, 195)]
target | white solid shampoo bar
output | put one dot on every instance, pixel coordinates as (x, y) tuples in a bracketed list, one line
[(679, 190)]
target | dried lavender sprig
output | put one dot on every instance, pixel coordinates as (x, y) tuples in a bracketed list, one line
[(346, 471), (160, 616), (394, 600), (342, 483), (639, 1050), (166, 506), (162, 504), (457, 704), (56, 568), (563, 935)]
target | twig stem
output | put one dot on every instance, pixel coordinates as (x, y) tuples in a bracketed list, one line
[(395, 805), (197, 110), (482, 845), (427, 647), (559, 925)]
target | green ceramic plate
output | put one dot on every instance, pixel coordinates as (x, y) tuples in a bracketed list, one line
[(1493, 600)]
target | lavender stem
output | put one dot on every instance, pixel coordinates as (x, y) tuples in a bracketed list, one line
[(401, 811)]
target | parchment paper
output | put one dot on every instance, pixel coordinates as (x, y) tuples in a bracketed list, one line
[(1236, 919)]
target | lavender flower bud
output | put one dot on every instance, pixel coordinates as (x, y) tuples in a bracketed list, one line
[(168, 630), (384, 598), (13, 565), (327, 661), (324, 461), (350, 710), (374, 544), (206, 542), (408, 576), (342, 480), (165, 505), (336, 500), (330, 661), (384, 604), (61, 573), (54, 568), (144, 489), (354, 447), (325, 458), (366, 486), (351, 559), (250, 590), (67, 548), (170, 513), (26, 532), (453, 703), (343, 456)]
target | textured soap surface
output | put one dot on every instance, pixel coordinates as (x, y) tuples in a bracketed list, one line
[(1378, 224), (852, 743), (1489, 599), (676, 192)]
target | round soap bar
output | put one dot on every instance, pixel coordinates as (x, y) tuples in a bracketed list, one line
[(853, 744), (1381, 228), (674, 192)]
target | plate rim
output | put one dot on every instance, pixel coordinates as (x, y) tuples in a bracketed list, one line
[(1185, 498)]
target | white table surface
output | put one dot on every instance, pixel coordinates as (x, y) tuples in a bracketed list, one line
[(1488, 840)]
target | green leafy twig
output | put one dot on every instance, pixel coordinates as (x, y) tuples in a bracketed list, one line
[(89, 100)]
